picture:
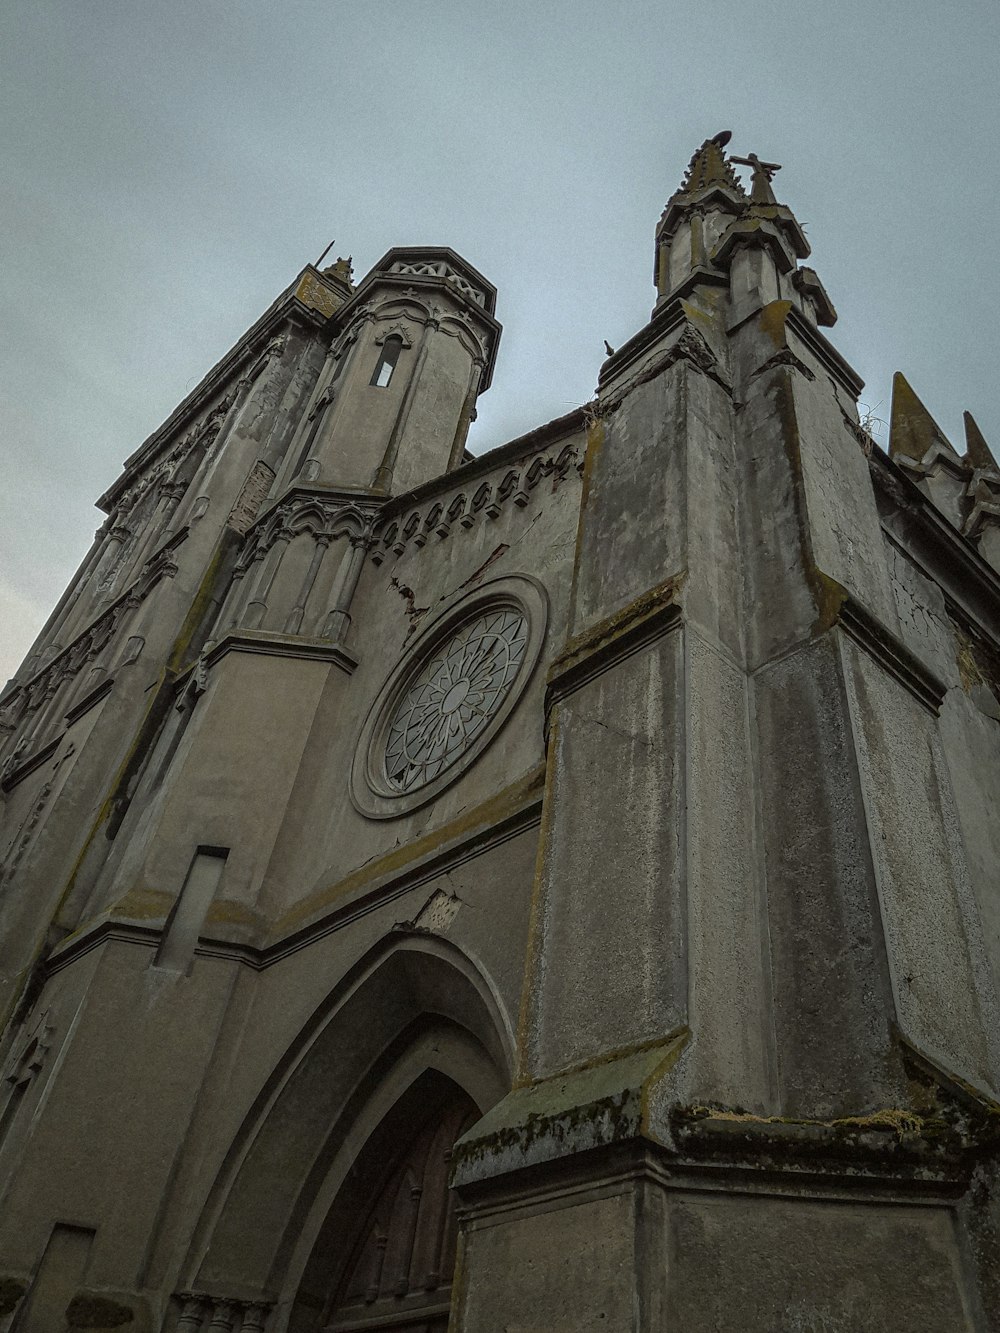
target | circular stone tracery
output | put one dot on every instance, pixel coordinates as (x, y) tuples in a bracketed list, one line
[(453, 696)]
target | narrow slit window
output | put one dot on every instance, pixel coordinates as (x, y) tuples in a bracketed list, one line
[(387, 362), (184, 925)]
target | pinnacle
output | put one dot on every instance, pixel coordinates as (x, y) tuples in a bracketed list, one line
[(912, 429), (977, 451), (709, 166)]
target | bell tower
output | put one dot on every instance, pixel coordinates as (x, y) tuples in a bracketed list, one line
[(414, 348)]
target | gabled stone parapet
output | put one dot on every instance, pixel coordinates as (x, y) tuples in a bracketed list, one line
[(966, 489)]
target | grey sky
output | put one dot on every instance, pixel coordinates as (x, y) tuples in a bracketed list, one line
[(172, 164)]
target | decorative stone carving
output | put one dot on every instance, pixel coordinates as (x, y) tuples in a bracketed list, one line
[(395, 535), (89, 645), (444, 702), (31, 1052), (441, 269), (453, 697), (396, 330), (220, 1314)]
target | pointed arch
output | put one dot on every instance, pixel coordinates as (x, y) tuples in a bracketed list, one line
[(413, 1004), (384, 1255)]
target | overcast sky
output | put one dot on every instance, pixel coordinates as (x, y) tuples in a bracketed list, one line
[(172, 164)]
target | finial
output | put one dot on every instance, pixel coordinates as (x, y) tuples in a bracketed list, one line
[(343, 268), (760, 180), (709, 166)]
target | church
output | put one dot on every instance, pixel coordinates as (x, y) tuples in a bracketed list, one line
[(554, 891)]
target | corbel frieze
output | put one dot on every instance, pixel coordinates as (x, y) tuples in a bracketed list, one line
[(464, 508)]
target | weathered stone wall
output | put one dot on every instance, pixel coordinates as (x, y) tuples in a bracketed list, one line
[(637, 780)]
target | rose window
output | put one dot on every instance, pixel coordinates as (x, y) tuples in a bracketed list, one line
[(453, 696)]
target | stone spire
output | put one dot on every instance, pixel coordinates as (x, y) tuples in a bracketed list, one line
[(711, 217), (965, 489), (710, 167), (913, 432), (977, 451), (696, 214)]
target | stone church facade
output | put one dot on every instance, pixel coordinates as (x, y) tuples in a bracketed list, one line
[(554, 890)]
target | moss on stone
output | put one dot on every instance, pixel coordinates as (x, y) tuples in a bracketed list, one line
[(11, 1291), (491, 812), (888, 1118)]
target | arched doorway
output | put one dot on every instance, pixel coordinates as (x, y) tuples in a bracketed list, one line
[(385, 1256)]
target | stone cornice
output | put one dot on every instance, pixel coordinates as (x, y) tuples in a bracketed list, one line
[(814, 341), (430, 253), (892, 654), (666, 319), (329, 498), (29, 765), (89, 701), (463, 506), (608, 642)]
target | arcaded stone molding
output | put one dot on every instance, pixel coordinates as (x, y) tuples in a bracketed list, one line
[(465, 507)]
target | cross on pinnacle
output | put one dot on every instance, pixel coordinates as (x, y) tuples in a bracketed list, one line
[(760, 182)]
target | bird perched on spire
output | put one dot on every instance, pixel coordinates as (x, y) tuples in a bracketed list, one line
[(709, 167)]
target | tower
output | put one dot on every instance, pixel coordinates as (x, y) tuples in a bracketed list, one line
[(549, 890)]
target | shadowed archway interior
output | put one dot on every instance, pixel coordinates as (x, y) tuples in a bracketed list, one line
[(385, 1256)]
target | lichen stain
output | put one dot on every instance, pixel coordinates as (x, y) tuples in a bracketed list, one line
[(773, 319), (894, 1118), (144, 904), (491, 812)]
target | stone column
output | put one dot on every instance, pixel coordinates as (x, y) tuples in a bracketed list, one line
[(193, 1310), (224, 1316), (468, 415), (254, 1317), (257, 606), (294, 622), (338, 620)]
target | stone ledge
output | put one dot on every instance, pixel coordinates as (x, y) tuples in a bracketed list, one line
[(609, 641), (929, 1147), (267, 644), (892, 654), (29, 764), (594, 1106)]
